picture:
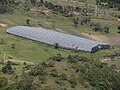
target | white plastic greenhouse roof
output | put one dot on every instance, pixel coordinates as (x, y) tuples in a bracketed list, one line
[(52, 37)]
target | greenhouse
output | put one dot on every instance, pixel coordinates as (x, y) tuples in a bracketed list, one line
[(63, 40)]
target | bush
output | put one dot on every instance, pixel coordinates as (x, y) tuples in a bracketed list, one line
[(113, 66), (56, 45), (7, 68), (5, 9), (48, 63), (63, 77), (72, 59), (73, 83), (57, 58), (38, 70), (119, 29)]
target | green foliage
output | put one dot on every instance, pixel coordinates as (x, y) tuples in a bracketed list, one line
[(28, 21), (49, 63), (70, 74), (106, 29), (5, 9), (58, 57), (119, 29), (113, 66), (76, 22), (56, 45), (72, 59), (101, 77), (25, 83), (111, 3), (7, 69), (85, 70), (5, 85), (85, 20), (73, 83), (38, 70), (7, 2), (33, 1), (76, 58), (3, 82)]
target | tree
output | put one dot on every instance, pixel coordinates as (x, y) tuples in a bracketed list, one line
[(98, 2), (111, 3), (106, 29), (118, 16), (119, 29), (75, 22), (33, 2), (98, 28), (27, 21), (6, 2), (41, 2), (56, 45), (5, 9), (85, 20)]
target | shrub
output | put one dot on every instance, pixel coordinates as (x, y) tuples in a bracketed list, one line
[(56, 45), (5, 9), (119, 29), (113, 66), (7, 68), (57, 58)]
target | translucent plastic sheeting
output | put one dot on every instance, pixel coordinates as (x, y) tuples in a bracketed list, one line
[(51, 37)]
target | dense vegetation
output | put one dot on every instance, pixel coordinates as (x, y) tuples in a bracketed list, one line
[(77, 71), (111, 3), (59, 73), (5, 6)]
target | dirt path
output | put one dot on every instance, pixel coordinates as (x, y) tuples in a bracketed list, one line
[(112, 40), (21, 62), (3, 25)]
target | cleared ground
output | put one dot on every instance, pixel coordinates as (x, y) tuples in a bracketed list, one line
[(112, 40)]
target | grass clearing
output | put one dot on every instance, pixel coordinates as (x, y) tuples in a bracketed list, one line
[(29, 50), (33, 51)]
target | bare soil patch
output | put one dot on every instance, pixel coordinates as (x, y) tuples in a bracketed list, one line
[(3, 25), (112, 40)]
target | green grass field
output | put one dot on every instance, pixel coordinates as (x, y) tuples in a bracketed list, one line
[(34, 51)]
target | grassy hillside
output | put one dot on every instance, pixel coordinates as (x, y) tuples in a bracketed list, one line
[(61, 73), (33, 51), (72, 2), (31, 65)]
